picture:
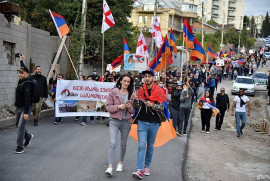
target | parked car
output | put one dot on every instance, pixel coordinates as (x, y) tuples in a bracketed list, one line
[(260, 79), (267, 55), (267, 43), (244, 82)]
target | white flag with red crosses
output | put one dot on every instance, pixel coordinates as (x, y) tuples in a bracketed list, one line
[(108, 20)]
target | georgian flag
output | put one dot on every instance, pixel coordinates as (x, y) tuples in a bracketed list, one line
[(243, 50), (141, 46), (262, 51), (156, 32), (108, 21)]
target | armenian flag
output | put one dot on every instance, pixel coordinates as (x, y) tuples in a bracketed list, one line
[(220, 53), (60, 24), (163, 56), (210, 53), (118, 61), (126, 49), (188, 35), (172, 42), (198, 52), (232, 51)]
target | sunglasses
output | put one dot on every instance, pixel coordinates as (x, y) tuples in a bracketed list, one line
[(222, 90)]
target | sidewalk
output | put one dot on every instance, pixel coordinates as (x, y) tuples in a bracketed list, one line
[(220, 155)]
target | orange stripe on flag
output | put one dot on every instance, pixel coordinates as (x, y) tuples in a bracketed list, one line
[(64, 30), (165, 133)]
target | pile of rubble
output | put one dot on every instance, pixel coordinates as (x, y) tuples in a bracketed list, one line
[(7, 111)]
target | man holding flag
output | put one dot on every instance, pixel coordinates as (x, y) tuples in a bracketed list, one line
[(149, 117)]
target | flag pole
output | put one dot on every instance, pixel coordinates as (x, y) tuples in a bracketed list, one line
[(102, 63), (56, 57), (71, 62)]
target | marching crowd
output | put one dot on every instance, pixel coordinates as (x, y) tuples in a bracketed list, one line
[(141, 96)]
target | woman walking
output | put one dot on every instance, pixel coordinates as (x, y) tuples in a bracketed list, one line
[(120, 108), (206, 111)]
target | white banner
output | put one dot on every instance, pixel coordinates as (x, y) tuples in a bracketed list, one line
[(81, 98), (220, 62)]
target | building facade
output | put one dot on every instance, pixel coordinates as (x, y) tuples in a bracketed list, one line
[(221, 11), (170, 13), (38, 47), (258, 21)]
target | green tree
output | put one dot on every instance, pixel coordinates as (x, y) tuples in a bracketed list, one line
[(246, 22), (212, 22), (37, 14), (252, 26), (266, 26), (113, 37)]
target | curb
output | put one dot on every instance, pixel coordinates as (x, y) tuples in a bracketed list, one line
[(11, 121)]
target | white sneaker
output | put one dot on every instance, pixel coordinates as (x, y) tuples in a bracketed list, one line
[(108, 172), (119, 167), (207, 132)]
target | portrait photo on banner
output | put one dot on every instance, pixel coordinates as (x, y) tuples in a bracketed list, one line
[(135, 62)]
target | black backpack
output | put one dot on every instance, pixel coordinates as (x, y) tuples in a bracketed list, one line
[(35, 97)]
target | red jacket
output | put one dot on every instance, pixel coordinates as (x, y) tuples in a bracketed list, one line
[(114, 99)]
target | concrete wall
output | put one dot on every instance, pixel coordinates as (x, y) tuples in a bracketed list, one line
[(32, 42)]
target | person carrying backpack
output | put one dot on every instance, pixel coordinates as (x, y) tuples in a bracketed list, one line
[(23, 103)]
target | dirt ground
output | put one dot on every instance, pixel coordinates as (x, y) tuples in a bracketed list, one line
[(221, 156)]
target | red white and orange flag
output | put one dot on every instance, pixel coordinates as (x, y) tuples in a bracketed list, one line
[(108, 20), (156, 32), (141, 46)]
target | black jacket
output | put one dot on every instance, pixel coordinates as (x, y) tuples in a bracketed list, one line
[(23, 95), (42, 82), (222, 102), (176, 99)]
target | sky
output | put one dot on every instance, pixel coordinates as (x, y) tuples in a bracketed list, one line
[(257, 7)]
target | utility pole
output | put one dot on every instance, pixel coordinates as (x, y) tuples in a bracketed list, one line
[(240, 34), (221, 44), (202, 23), (84, 8), (152, 45)]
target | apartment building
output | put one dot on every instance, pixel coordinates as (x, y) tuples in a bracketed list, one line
[(258, 21), (170, 13), (227, 11)]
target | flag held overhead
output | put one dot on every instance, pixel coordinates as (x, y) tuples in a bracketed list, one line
[(126, 49), (198, 52), (156, 32), (188, 35), (60, 24), (172, 42), (210, 53), (108, 20)]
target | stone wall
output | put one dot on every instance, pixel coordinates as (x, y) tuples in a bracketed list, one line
[(33, 43)]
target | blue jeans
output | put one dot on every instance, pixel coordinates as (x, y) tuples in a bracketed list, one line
[(147, 133), (243, 117)]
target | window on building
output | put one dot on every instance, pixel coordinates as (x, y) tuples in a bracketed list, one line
[(146, 19), (224, 3), (10, 51), (148, 7), (140, 19)]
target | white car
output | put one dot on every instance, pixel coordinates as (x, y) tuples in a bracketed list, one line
[(260, 79), (244, 82), (267, 55)]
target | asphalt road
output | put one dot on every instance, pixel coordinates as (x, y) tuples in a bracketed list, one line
[(71, 152)]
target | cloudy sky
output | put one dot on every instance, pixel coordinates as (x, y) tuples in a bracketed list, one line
[(257, 7)]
